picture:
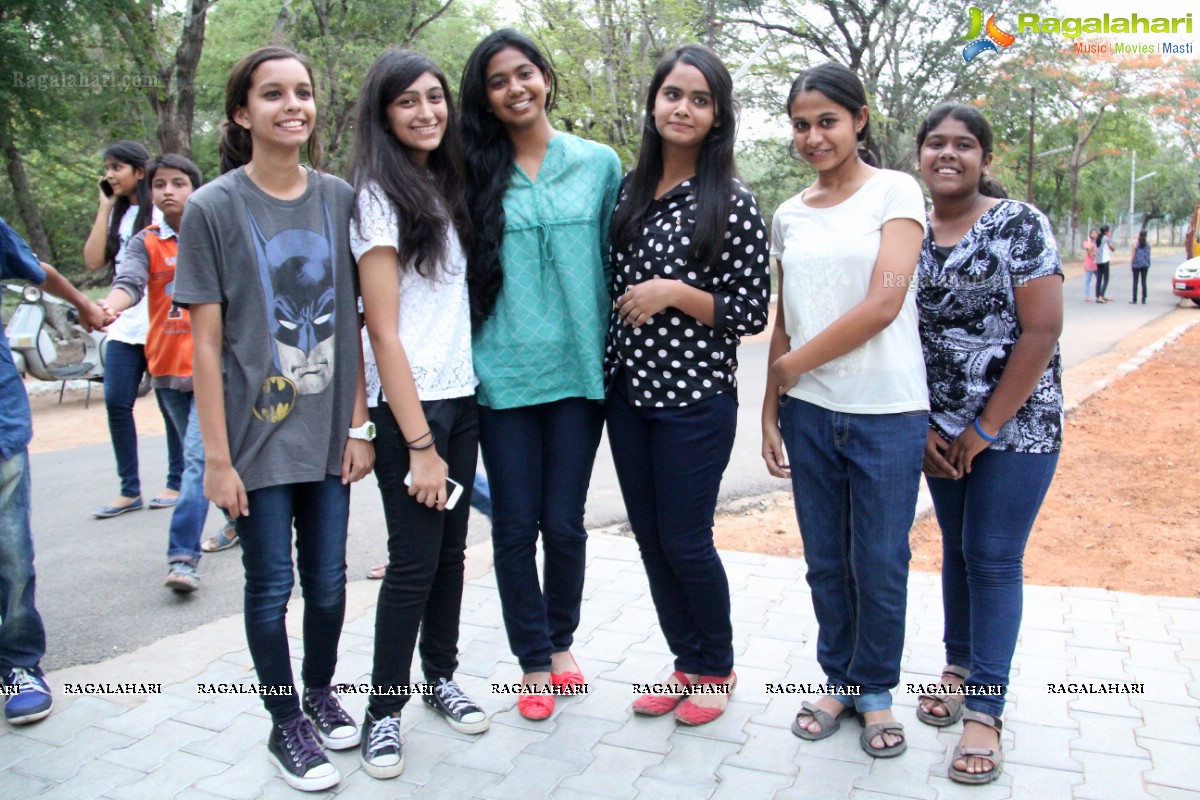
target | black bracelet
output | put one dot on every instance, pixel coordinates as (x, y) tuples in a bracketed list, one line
[(428, 433), (422, 446)]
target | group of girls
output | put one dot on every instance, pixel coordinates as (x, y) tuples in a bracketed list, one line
[(511, 283)]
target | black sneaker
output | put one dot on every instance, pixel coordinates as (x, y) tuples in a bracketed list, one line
[(463, 714), (381, 751), (302, 763), (334, 726)]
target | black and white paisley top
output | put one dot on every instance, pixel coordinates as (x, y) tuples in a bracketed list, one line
[(968, 323)]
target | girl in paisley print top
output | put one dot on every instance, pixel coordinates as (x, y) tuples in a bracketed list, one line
[(990, 303)]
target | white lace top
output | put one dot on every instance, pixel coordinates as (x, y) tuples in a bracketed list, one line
[(435, 316)]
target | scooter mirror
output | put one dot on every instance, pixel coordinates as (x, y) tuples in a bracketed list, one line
[(32, 294)]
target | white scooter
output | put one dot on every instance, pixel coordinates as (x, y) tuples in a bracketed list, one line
[(49, 344)]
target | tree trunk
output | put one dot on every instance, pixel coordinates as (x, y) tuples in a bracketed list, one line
[(26, 205)]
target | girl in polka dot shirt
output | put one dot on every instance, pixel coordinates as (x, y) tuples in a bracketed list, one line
[(691, 277)]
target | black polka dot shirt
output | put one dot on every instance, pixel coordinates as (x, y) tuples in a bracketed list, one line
[(674, 359)]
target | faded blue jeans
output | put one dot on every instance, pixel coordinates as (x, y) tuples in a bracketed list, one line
[(191, 510), (855, 479), (22, 636)]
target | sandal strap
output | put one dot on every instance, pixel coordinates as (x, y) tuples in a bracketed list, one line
[(818, 714), (956, 671), (991, 755), (983, 719), (894, 728)]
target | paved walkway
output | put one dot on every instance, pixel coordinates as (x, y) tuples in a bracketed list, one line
[(183, 744)]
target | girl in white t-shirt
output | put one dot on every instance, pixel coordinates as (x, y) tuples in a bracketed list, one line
[(124, 209), (410, 223), (846, 394)]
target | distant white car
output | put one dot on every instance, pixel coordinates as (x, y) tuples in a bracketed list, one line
[(1187, 280)]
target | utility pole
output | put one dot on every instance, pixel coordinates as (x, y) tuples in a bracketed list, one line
[(1132, 181), (1029, 170)]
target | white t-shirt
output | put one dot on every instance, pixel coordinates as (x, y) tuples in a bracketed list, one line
[(828, 257), (435, 313), (133, 324)]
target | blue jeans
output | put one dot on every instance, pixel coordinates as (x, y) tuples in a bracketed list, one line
[(191, 510), (124, 365), (319, 511), (22, 636), (669, 463), (855, 479), (539, 464), (1087, 283), (423, 584), (985, 519)]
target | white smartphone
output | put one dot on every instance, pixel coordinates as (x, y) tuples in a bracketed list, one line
[(453, 490)]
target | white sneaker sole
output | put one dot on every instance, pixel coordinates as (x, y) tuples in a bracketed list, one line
[(315, 784), (382, 773), (344, 743)]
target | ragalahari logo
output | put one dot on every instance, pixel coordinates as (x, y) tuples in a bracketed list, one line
[(994, 34)]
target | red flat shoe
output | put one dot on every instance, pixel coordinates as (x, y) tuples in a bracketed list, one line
[(691, 714), (570, 681), (535, 706), (656, 705)]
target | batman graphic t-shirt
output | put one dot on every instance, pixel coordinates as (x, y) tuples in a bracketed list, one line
[(284, 276)]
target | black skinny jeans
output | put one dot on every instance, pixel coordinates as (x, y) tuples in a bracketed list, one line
[(423, 585), (1139, 274), (1101, 280)]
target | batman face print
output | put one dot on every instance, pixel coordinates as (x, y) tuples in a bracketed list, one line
[(298, 271)]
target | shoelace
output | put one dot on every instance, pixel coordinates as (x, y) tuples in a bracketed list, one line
[(301, 742), (329, 711), (385, 733), (25, 680), (453, 696)]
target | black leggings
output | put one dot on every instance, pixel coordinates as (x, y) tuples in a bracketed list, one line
[(1101, 280), (1139, 274)]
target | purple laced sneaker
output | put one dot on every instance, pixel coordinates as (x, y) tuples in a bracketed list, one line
[(302, 762), (335, 727)]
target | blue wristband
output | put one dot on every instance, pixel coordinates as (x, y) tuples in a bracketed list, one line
[(983, 434)]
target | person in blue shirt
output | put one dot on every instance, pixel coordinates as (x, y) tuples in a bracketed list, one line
[(22, 635)]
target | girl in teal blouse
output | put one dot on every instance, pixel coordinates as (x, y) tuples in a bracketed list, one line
[(540, 202)]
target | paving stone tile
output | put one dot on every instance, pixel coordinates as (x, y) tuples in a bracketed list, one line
[(1137, 629), (749, 609), (231, 744), (1043, 608), (767, 749), (767, 588), (448, 782), (94, 779), (867, 794), (178, 772), (784, 625), (691, 761), (1164, 687), (18, 784), (424, 751), (61, 726), (16, 748), (1039, 783), (601, 643), (140, 721), (644, 734), (738, 784), (149, 753), (1110, 777), (669, 790), (762, 651), (632, 619), (531, 776), (612, 772), (1167, 722), (1096, 635), (1041, 746), (481, 658), (1040, 670), (779, 712), (66, 760), (1099, 733), (1154, 655), (358, 785), (1113, 705), (276, 789), (1169, 793), (1174, 764), (788, 569), (605, 699), (999, 789), (728, 726), (819, 777), (1185, 618), (245, 779), (905, 776), (573, 739), (217, 712), (639, 666), (1105, 665)]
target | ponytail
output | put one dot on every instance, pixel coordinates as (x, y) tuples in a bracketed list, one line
[(235, 148), (990, 187)]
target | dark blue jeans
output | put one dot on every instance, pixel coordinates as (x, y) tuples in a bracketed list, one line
[(985, 519), (423, 585), (855, 479), (191, 510), (124, 365), (539, 464), (22, 636), (669, 463), (319, 512)]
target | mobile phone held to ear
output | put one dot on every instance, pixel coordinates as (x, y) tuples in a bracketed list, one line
[(453, 490), (106, 187)]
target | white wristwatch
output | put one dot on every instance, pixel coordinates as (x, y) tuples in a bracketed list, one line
[(366, 432)]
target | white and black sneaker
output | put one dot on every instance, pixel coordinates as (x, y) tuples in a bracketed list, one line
[(463, 713), (335, 727), (381, 751), (294, 748)]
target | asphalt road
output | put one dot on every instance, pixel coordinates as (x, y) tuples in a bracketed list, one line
[(100, 581)]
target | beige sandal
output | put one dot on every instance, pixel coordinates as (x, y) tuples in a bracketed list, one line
[(953, 703), (997, 761)]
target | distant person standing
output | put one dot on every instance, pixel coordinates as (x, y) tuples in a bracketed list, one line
[(1141, 265), (1089, 265), (1104, 251)]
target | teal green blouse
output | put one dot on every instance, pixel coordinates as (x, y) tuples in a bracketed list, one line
[(545, 340)]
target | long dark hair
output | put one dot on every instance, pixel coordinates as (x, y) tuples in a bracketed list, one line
[(842, 86), (489, 158), (979, 127), (715, 165), (381, 159), (236, 148), (137, 157)]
